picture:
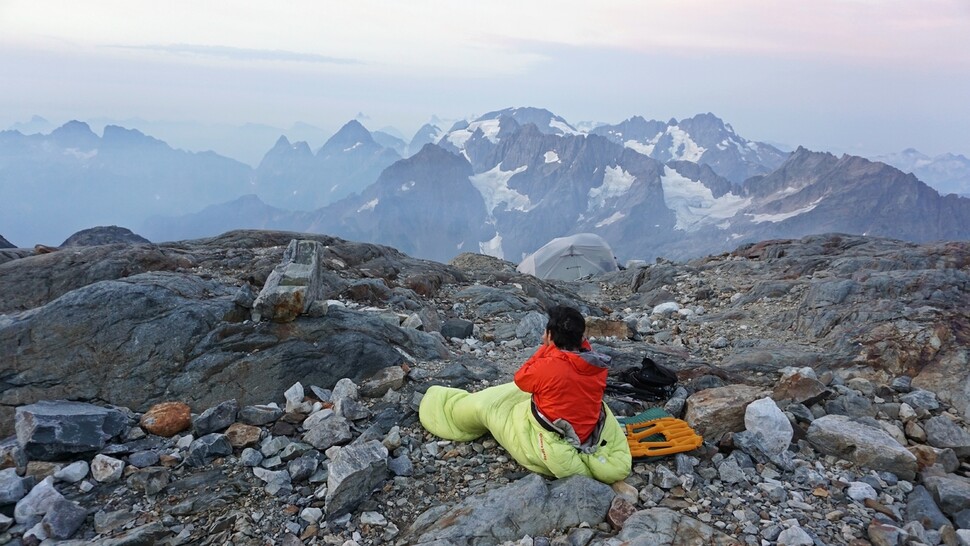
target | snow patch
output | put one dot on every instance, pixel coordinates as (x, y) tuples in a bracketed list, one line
[(489, 127), (682, 146), (407, 186), (492, 247), (78, 154), (357, 145), (552, 157), (774, 218), (494, 187), (562, 127), (617, 216), (694, 204), (616, 182), (369, 205), (645, 148)]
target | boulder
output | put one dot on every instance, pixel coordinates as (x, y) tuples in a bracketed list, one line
[(951, 492), (167, 419), (206, 448), (34, 505), (11, 486), (799, 387), (153, 337), (50, 430), (531, 328), (457, 328), (355, 471), (943, 433), (63, 519), (216, 419), (73, 472), (329, 431), (714, 412), (241, 435), (665, 527), (293, 285), (921, 507), (530, 506), (863, 445)]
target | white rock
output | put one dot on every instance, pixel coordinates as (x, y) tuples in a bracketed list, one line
[(106, 469), (665, 308), (795, 536), (185, 441), (763, 416), (73, 472), (36, 503), (373, 518), (294, 399), (963, 537), (5, 522), (316, 418), (860, 491), (312, 515), (906, 412)]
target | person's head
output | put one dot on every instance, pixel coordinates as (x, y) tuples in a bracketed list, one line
[(566, 327)]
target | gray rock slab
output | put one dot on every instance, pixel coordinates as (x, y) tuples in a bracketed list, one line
[(334, 430), (842, 437), (259, 415), (662, 526), (50, 430), (73, 472), (530, 506), (355, 471), (457, 328)]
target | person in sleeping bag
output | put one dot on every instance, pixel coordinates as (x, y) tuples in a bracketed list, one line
[(552, 418)]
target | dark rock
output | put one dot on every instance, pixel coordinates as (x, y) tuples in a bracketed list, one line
[(962, 519), (259, 415), (466, 370), (53, 430), (457, 328), (301, 469), (63, 519), (951, 492), (921, 507), (902, 384), (332, 431), (172, 332), (401, 466), (141, 459), (293, 285), (355, 471), (921, 399), (216, 419), (943, 433), (384, 380), (206, 448), (529, 506), (104, 235), (851, 404), (531, 328), (245, 297)]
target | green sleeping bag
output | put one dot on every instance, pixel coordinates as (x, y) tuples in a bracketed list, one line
[(505, 412)]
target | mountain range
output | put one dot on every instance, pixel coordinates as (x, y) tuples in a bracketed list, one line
[(503, 184)]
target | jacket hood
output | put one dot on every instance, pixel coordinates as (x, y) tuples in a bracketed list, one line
[(598, 361)]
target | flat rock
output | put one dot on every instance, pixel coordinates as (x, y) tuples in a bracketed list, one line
[(216, 419), (663, 527), (530, 506), (840, 436), (951, 492)]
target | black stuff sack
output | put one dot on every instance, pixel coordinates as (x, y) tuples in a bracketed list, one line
[(648, 381)]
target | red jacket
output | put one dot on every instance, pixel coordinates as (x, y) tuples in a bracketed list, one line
[(566, 385)]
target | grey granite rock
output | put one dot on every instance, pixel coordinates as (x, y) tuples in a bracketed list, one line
[(863, 445), (206, 448), (354, 472), (63, 519), (216, 419)]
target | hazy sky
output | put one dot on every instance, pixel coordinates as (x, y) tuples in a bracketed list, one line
[(862, 76)]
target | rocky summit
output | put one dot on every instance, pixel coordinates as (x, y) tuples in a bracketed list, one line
[(261, 388)]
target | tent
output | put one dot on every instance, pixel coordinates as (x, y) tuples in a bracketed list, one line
[(569, 258)]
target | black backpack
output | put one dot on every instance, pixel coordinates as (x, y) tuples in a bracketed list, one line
[(648, 381)]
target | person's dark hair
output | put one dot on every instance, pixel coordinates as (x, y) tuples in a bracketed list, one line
[(566, 326)]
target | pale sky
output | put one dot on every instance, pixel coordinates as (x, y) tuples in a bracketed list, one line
[(858, 76)]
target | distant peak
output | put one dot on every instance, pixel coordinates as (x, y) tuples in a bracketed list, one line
[(282, 142)]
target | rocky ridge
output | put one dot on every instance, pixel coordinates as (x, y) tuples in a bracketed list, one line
[(824, 374)]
